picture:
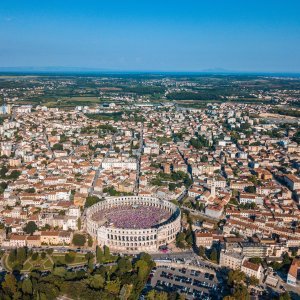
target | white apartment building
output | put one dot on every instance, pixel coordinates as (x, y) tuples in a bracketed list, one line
[(128, 163), (232, 260)]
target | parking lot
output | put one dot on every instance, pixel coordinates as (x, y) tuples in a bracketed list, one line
[(194, 284)]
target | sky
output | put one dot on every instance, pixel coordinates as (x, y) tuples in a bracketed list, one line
[(144, 35)]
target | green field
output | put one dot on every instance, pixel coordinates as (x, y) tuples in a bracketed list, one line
[(59, 258), (72, 101)]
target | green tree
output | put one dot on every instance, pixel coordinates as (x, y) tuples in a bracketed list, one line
[(241, 292), (79, 239), (124, 265), (253, 281), (189, 238), (125, 291), (70, 257), (58, 146), (3, 186), (285, 296), (90, 241), (9, 285), (113, 287), (21, 254), (235, 276), (59, 271), (201, 251), (47, 291), (286, 259), (151, 295), (204, 158), (162, 296), (250, 189), (30, 227), (255, 260), (47, 227), (91, 200), (27, 286), (156, 295), (89, 256), (96, 282), (214, 255), (172, 186), (30, 190), (34, 255), (90, 265), (99, 254), (180, 240), (14, 175), (63, 138), (3, 171), (146, 257), (12, 257), (49, 251), (106, 252), (79, 223), (142, 268)]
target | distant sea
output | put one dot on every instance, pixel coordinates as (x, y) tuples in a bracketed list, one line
[(6, 71)]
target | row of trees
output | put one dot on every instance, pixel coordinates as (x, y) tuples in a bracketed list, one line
[(13, 174), (287, 112), (142, 89), (185, 238), (113, 192), (179, 177), (203, 95), (116, 116), (212, 254), (91, 200), (103, 255), (199, 142)]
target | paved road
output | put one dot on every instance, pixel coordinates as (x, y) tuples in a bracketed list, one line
[(188, 257), (183, 195), (139, 153), (99, 168)]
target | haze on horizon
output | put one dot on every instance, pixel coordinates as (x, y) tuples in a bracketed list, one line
[(253, 36)]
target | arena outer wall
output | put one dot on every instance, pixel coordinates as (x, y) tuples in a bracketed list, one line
[(134, 240)]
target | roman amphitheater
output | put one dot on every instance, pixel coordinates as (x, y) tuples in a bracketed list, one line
[(133, 224)]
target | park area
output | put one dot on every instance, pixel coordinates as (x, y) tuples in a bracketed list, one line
[(43, 261)]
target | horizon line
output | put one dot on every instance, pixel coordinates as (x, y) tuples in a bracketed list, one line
[(60, 69)]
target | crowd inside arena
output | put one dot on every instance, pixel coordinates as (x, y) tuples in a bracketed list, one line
[(131, 217)]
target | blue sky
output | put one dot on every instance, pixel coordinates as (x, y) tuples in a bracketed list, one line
[(235, 35)]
